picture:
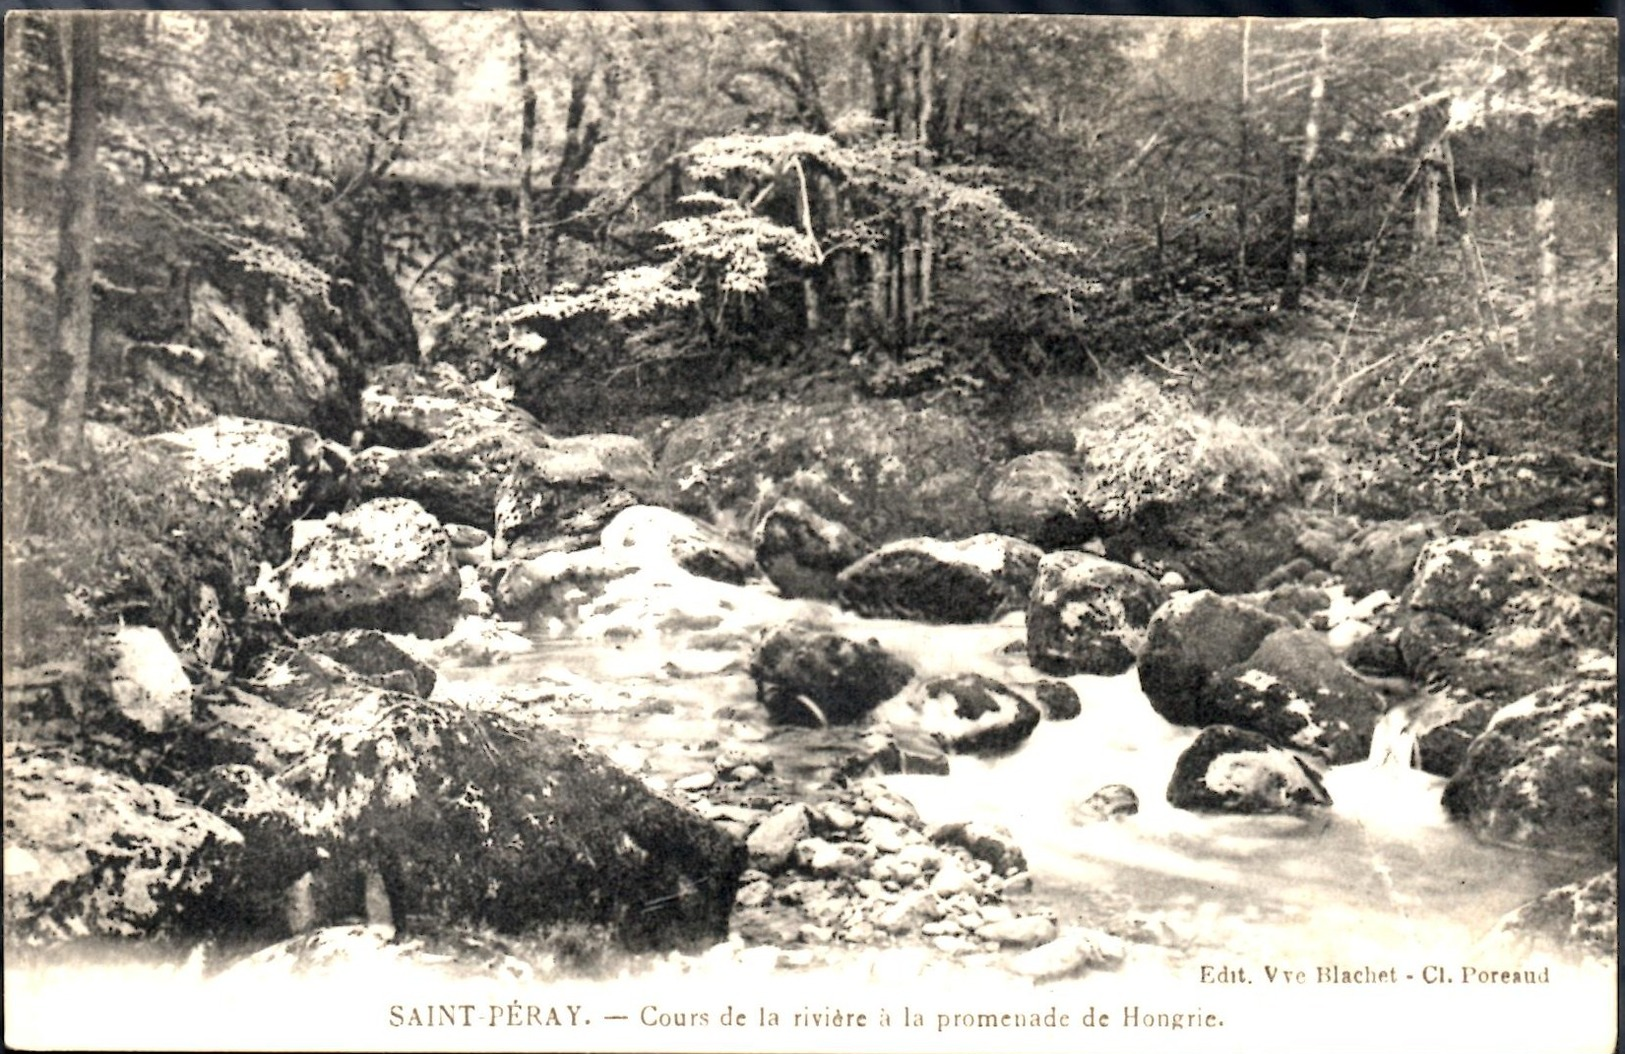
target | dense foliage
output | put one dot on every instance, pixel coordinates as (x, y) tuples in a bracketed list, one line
[(1392, 241)]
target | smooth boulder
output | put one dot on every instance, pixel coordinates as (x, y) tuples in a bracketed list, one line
[(969, 713)]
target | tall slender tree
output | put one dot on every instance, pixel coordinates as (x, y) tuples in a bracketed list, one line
[(76, 247)]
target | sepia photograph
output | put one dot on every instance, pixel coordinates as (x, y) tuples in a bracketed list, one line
[(633, 531)]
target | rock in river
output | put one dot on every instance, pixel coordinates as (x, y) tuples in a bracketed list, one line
[(1233, 770), (810, 676)]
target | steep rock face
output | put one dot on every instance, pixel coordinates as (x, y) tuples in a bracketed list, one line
[(1089, 615), (1189, 640), (190, 355), (843, 679), (1039, 497), (973, 580), (90, 853), (1233, 770), (385, 565), (885, 470), (474, 817), (168, 531), (572, 478), (1542, 775), (802, 552), (1296, 691)]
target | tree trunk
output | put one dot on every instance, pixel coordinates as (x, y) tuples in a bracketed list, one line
[(1432, 128), (926, 232), (1425, 223), (1546, 241), (581, 138), (527, 157), (76, 248), (1297, 272), (1243, 117)]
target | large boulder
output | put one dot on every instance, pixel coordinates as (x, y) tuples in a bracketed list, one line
[(1228, 555), (477, 818), (969, 713), (973, 580), (1469, 578), (1200, 495), (455, 478), (469, 456), (802, 552), (91, 853), (1295, 690), (806, 675), (1233, 770), (1542, 775), (884, 469), (1445, 725), (1088, 615), (1189, 640), (1535, 638), (384, 565), (1039, 497), (1501, 614)]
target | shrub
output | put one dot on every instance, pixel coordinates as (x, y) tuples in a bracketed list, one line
[(1145, 446)]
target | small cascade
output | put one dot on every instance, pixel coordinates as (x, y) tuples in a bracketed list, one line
[(1394, 742)]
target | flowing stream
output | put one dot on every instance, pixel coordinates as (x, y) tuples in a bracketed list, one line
[(1381, 873)]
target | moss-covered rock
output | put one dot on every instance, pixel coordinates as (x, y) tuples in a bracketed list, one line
[(1089, 615), (1297, 692), (1543, 775), (1579, 916), (92, 853), (384, 565), (973, 580), (474, 817), (882, 468)]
